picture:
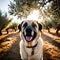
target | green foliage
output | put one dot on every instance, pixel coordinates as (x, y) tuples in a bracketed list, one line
[(22, 8), (56, 24), (46, 24), (11, 26), (48, 9), (3, 19), (14, 25), (51, 24)]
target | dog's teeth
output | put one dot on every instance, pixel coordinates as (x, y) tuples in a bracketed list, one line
[(24, 32), (32, 33)]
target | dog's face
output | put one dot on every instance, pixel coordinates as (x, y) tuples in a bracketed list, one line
[(30, 31)]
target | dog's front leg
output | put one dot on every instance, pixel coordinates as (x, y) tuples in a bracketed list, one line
[(23, 56), (22, 52)]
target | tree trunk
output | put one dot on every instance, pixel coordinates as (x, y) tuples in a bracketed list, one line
[(7, 31), (57, 31), (1, 29), (0, 32), (48, 30), (15, 29)]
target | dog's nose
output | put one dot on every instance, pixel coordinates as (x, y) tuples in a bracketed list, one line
[(28, 29)]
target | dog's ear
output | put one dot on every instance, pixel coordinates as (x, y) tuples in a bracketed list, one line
[(19, 26), (40, 26)]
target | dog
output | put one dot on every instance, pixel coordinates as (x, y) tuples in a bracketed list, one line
[(31, 44)]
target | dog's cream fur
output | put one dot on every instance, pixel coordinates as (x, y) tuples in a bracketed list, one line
[(26, 52)]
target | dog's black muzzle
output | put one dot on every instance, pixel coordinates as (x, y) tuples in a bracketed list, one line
[(29, 33), (28, 30)]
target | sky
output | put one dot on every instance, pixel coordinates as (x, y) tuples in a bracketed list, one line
[(4, 8), (4, 5)]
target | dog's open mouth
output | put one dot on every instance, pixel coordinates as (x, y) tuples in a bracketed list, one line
[(29, 35), (29, 38)]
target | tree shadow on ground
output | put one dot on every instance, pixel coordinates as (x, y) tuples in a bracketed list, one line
[(5, 38), (14, 52), (58, 35), (47, 54), (50, 40)]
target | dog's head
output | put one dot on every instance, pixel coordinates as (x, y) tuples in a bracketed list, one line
[(30, 30)]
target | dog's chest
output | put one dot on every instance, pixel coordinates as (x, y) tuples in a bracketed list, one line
[(31, 51), (28, 51)]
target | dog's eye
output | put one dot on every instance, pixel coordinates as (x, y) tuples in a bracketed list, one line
[(34, 25), (25, 24)]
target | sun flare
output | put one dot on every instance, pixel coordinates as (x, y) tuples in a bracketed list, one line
[(34, 15)]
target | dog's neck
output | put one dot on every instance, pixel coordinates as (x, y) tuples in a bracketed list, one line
[(33, 47)]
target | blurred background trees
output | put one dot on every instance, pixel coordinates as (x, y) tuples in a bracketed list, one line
[(11, 26), (51, 24), (6, 23), (3, 21), (22, 8), (49, 11)]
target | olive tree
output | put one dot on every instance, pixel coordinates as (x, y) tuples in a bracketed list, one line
[(3, 21)]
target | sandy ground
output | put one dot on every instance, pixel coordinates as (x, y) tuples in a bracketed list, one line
[(9, 46)]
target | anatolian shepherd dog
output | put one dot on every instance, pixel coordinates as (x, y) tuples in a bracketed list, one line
[(31, 44)]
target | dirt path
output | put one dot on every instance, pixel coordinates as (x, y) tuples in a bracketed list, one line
[(51, 46), (9, 47)]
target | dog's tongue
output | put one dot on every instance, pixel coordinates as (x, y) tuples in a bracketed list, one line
[(28, 38)]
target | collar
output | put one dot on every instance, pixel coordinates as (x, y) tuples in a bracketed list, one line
[(32, 46)]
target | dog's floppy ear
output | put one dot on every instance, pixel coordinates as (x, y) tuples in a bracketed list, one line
[(40, 26), (19, 26)]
